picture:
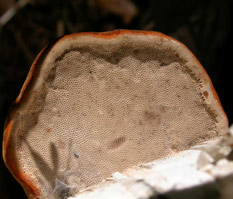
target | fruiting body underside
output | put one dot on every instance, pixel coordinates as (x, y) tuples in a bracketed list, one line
[(98, 105)]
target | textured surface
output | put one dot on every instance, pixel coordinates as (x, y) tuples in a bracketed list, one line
[(117, 115), (204, 26), (96, 106)]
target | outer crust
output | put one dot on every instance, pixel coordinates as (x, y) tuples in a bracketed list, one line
[(8, 155), (7, 148)]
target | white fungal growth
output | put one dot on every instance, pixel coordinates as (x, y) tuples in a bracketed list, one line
[(62, 189)]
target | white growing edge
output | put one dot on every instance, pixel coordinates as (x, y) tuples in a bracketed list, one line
[(196, 166)]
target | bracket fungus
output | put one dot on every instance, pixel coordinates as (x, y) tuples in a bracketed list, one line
[(97, 103)]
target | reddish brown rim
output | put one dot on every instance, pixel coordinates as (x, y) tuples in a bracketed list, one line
[(11, 163), (8, 155)]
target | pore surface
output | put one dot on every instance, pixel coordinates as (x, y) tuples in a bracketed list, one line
[(115, 109)]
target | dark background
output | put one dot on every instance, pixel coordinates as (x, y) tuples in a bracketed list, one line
[(205, 26)]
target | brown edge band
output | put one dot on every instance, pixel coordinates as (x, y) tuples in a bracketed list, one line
[(28, 185), (7, 150)]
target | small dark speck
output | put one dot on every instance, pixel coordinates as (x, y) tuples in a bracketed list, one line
[(76, 154)]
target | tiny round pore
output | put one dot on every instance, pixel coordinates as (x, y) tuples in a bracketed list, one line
[(115, 107)]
